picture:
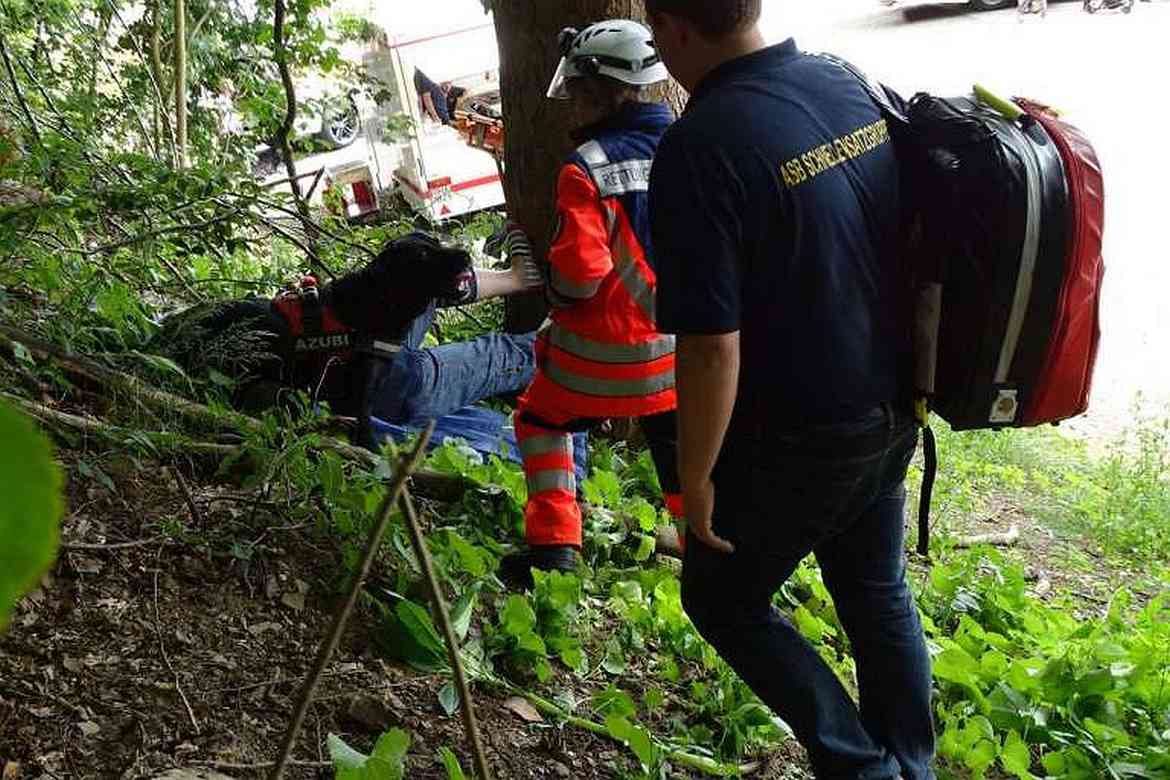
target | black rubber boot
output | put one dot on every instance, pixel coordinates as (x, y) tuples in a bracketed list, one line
[(516, 569)]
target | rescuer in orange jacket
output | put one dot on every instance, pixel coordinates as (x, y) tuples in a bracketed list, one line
[(600, 355)]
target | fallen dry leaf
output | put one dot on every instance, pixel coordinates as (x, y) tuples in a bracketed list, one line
[(371, 712), (71, 664), (89, 728), (522, 708), (88, 565), (11, 771), (259, 628), (294, 601)]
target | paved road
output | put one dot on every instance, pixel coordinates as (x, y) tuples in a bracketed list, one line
[(1108, 74)]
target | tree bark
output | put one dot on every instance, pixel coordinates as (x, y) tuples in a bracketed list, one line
[(181, 83), (539, 128)]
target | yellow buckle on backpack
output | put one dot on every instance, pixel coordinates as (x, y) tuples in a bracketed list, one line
[(921, 412)]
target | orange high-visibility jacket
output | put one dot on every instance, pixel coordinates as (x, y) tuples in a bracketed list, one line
[(601, 354)]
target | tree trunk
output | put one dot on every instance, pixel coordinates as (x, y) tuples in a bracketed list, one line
[(181, 83), (162, 119), (538, 128)]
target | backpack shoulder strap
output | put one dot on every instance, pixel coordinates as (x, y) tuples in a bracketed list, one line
[(890, 102)]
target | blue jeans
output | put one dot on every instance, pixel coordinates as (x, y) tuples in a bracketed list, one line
[(425, 384), (835, 491)]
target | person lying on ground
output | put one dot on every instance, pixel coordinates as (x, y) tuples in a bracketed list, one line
[(361, 337)]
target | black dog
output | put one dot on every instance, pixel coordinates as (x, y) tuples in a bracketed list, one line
[(314, 340)]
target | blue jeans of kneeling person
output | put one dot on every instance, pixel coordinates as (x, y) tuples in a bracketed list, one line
[(837, 492), (425, 384)]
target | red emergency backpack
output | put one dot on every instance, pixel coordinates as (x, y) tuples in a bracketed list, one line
[(1003, 264)]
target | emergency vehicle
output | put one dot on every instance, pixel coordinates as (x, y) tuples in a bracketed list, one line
[(442, 171)]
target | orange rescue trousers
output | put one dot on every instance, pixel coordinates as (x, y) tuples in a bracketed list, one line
[(552, 516)]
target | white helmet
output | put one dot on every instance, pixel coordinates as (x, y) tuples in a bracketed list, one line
[(619, 48)]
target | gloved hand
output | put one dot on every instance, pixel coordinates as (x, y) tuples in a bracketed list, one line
[(518, 250)]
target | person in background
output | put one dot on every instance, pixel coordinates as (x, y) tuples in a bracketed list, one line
[(438, 101), (1033, 7), (774, 204), (601, 355)]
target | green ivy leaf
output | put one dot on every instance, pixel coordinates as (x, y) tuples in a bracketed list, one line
[(343, 756), (387, 762), (411, 636), (562, 590), (628, 591), (810, 626), (646, 545), (645, 513), (1015, 757), (449, 698), (653, 699), (461, 614), (451, 764), (531, 642), (574, 658), (668, 669), (614, 701), (615, 658), (30, 514), (517, 617), (472, 558), (634, 737), (603, 488)]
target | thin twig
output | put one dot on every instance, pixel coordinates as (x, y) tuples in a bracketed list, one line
[(163, 648), (63, 127), (316, 225), (418, 541), (311, 253), (405, 465), (189, 227), (34, 693), (196, 515), (88, 547)]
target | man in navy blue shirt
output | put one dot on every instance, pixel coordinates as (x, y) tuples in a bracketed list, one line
[(774, 207)]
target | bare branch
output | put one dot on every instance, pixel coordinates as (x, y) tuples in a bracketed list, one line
[(32, 123), (418, 541)]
